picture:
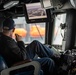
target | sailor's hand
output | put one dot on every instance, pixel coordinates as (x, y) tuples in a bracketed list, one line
[(18, 37)]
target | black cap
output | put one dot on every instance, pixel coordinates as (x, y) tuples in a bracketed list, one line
[(8, 24)]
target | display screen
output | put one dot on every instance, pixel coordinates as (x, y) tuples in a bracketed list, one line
[(35, 13)]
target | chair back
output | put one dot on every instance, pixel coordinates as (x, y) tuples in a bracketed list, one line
[(2, 64), (31, 68)]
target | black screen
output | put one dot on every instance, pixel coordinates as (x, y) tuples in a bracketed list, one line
[(35, 13)]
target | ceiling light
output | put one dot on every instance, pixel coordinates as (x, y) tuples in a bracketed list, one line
[(10, 4)]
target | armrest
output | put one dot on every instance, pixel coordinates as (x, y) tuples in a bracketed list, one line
[(19, 67), (22, 62)]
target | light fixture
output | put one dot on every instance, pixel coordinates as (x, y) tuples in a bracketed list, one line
[(11, 4)]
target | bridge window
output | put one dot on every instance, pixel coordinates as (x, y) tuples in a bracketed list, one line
[(58, 33), (29, 32)]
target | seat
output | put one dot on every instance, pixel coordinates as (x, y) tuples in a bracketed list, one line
[(30, 68), (2, 64)]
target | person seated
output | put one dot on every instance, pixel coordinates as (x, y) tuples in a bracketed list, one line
[(14, 51)]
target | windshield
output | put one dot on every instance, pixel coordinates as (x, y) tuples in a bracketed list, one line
[(29, 32)]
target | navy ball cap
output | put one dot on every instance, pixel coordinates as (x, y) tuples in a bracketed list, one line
[(8, 24)]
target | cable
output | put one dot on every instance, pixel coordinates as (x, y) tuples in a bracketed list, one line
[(38, 31)]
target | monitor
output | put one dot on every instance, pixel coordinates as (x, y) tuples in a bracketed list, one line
[(34, 13)]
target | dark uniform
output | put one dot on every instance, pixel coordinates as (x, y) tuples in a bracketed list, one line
[(10, 51)]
